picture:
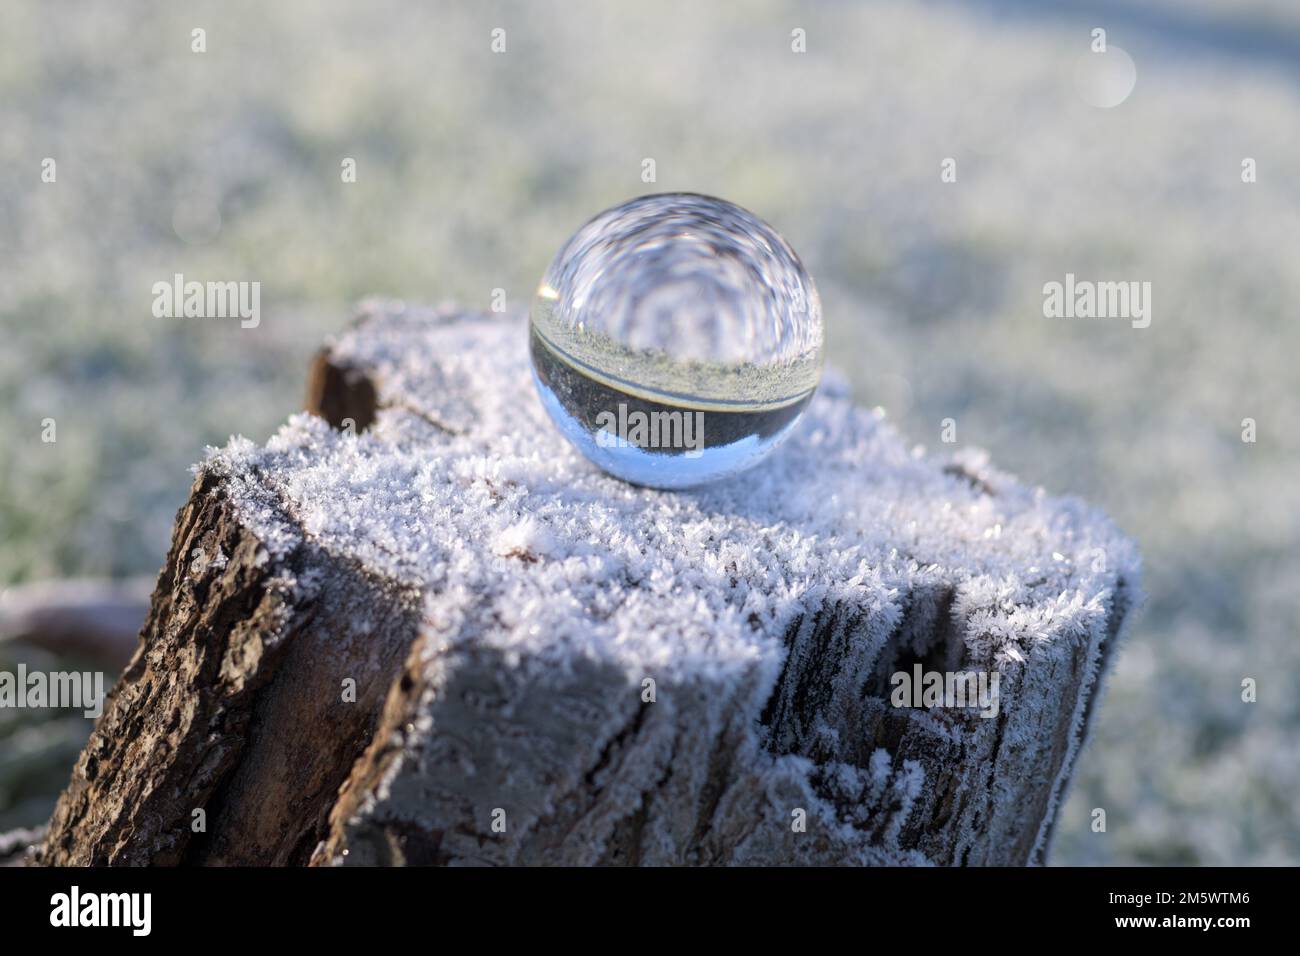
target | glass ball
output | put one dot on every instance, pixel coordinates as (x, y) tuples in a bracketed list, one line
[(676, 340)]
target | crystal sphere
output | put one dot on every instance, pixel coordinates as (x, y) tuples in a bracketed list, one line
[(676, 340)]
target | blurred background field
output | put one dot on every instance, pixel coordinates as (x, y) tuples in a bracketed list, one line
[(472, 167)]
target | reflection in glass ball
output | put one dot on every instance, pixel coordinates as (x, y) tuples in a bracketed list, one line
[(676, 339)]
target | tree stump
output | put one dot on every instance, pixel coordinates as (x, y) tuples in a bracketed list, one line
[(417, 627)]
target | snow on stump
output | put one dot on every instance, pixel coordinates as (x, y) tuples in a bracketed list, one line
[(419, 628)]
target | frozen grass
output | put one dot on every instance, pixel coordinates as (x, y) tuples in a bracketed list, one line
[(473, 167)]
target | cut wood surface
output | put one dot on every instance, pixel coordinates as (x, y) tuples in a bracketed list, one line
[(422, 629)]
